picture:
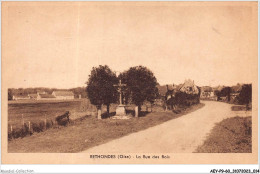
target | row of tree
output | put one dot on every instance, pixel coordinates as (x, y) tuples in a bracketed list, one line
[(244, 96), (79, 91), (140, 86)]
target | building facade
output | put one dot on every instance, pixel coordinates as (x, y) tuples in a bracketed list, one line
[(63, 95)]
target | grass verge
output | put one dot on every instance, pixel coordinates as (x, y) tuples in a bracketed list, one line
[(232, 135), (240, 108), (88, 132)]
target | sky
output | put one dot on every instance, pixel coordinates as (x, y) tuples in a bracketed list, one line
[(57, 44)]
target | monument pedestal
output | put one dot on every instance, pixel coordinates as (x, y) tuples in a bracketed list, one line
[(120, 110), (121, 113)]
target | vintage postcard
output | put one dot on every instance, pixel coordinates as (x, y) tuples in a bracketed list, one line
[(129, 83)]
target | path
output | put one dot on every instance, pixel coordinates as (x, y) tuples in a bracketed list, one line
[(181, 135)]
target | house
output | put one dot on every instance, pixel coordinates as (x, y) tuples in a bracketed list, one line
[(42, 96), (169, 91), (165, 93), (41, 92), (21, 97), (165, 90), (207, 93), (189, 87), (63, 95), (235, 91), (46, 97), (170, 95), (184, 94)]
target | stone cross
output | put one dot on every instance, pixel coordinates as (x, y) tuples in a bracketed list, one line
[(120, 85)]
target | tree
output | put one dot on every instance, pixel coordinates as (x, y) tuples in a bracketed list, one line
[(140, 85), (218, 94), (79, 91), (245, 96), (226, 92), (10, 94), (100, 89)]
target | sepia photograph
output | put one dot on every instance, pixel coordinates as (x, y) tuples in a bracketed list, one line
[(129, 82)]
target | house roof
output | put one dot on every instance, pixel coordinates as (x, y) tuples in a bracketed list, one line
[(46, 96), (189, 84), (41, 91), (178, 87), (174, 88), (163, 89), (21, 96), (206, 89), (236, 88), (63, 93)]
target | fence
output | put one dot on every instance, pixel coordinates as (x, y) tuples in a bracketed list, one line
[(28, 128)]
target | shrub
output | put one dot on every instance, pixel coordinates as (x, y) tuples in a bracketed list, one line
[(49, 124), (35, 127), (64, 119), (19, 132), (185, 99), (245, 96)]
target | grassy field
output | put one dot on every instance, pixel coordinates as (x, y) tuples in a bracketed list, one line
[(240, 108), (232, 135), (87, 132), (38, 110), (30, 101), (35, 111)]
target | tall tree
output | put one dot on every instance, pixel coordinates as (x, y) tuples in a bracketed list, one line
[(218, 94), (10, 94), (141, 85), (226, 92), (100, 89), (245, 96)]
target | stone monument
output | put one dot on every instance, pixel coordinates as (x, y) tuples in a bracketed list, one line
[(120, 109)]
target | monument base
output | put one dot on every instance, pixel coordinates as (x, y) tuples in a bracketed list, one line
[(120, 110), (121, 113), (122, 117)]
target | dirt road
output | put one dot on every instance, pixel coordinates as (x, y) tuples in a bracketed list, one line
[(181, 135)]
